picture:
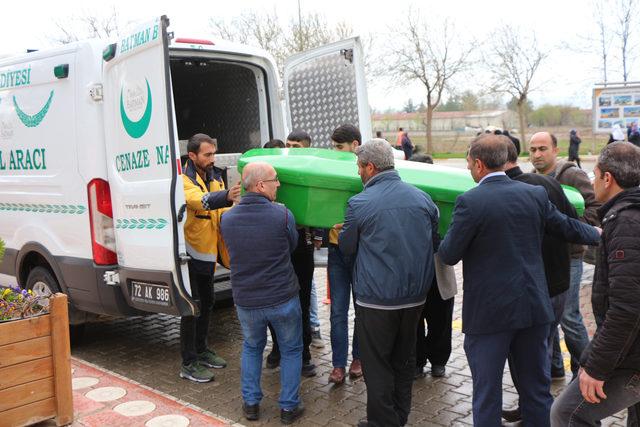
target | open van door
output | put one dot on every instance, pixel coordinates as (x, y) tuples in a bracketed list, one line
[(326, 87), (144, 170)]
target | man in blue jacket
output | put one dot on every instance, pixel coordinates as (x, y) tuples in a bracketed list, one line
[(260, 236), (497, 231), (390, 228)]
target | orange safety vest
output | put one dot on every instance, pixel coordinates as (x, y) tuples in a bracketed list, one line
[(399, 139)]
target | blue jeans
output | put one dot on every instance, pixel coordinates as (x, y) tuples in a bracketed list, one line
[(340, 287), (558, 303), (622, 390), (314, 321), (575, 333), (286, 319)]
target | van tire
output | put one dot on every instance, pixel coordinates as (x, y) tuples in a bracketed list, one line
[(42, 282)]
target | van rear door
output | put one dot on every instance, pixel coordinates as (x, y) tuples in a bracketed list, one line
[(144, 171), (326, 87)]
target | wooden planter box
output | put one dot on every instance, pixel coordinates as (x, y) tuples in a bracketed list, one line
[(35, 368)]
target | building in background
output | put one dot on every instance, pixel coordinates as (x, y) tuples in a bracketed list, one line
[(446, 121)]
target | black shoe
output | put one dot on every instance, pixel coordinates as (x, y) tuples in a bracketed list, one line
[(419, 373), (512, 415), (308, 370), (437, 371), (251, 412), (288, 416), (363, 423), (273, 361)]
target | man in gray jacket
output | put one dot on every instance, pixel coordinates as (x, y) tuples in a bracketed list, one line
[(543, 152), (390, 229)]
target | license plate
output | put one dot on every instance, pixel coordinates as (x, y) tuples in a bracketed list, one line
[(149, 293)]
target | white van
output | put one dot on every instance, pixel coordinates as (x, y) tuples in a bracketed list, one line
[(91, 198)]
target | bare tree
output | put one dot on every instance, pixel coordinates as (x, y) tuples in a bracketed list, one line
[(626, 10), (513, 64), (604, 34), (307, 32), (343, 30), (265, 30), (431, 55), (258, 29), (87, 25)]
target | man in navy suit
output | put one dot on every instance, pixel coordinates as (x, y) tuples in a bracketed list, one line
[(497, 230)]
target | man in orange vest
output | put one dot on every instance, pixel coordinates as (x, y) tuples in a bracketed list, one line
[(399, 138)]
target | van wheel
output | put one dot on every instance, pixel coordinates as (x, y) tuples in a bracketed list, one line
[(42, 282)]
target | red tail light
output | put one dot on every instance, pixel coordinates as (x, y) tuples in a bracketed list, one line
[(194, 41), (103, 239)]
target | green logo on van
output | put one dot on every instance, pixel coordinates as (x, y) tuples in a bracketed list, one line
[(34, 120), (138, 128)]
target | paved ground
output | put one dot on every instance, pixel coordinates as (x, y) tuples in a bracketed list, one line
[(147, 351), (103, 398)]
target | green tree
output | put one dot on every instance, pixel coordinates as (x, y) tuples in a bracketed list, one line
[(409, 107), (513, 105), (469, 101), (546, 115), (453, 103)]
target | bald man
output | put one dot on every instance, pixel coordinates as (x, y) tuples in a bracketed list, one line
[(260, 236), (543, 153)]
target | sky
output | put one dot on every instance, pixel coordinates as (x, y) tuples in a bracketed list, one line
[(566, 77)]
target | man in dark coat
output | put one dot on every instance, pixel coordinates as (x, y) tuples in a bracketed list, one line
[(497, 230), (556, 257), (543, 153), (407, 146), (303, 264), (574, 147), (261, 236), (609, 376), (389, 228), (435, 345)]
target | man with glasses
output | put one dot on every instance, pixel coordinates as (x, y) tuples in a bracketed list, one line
[(261, 236), (304, 266)]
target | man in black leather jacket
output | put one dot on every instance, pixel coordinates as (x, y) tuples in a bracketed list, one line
[(609, 377)]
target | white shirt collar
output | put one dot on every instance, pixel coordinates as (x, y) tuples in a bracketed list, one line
[(492, 174)]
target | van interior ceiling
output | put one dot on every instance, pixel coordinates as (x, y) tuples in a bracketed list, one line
[(219, 99)]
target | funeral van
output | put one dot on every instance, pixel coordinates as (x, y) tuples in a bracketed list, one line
[(91, 139)]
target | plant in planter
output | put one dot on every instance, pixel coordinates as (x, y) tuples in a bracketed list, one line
[(16, 303), (35, 359)]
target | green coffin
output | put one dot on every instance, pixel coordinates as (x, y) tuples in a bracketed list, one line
[(317, 183)]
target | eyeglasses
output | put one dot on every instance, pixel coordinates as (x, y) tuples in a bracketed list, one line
[(271, 180)]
